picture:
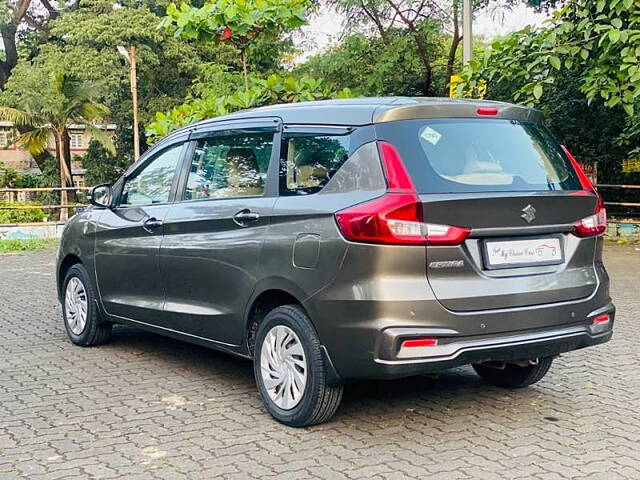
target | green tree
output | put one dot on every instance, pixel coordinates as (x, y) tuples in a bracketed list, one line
[(24, 24), (239, 22), (594, 41), (372, 66), (226, 99), (100, 165), (8, 177), (69, 101)]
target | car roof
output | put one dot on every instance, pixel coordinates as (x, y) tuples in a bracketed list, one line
[(370, 110)]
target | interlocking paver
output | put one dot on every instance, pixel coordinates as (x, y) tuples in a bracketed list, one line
[(148, 407)]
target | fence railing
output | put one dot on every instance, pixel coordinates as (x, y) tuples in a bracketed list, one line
[(31, 194), (621, 207), (17, 195)]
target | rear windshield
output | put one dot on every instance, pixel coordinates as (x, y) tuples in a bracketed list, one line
[(480, 155)]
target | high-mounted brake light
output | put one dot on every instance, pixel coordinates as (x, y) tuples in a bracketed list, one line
[(595, 224), (396, 218), (487, 111)]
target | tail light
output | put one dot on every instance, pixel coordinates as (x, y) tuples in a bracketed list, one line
[(396, 218), (595, 224), (592, 225)]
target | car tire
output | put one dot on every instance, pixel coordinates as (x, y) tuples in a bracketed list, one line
[(512, 375), (287, 350), (83, 321)]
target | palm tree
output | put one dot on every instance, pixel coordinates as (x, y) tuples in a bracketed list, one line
[(71, 101)]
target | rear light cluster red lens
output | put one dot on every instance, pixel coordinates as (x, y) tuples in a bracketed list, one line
[(396, 218), (595, 224)]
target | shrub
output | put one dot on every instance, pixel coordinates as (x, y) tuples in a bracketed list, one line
[(21, 216)]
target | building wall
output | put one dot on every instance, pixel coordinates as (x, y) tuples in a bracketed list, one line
[(20, 160)]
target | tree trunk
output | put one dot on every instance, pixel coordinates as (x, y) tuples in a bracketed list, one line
[(455, 41), (64, 175), (66, 142), (375, 18), (245, 70), (423, 53), (421, 44), (8, 33)]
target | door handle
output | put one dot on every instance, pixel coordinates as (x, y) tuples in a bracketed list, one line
[(244, 217), (151, 224)]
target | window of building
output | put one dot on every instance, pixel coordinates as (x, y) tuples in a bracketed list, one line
[(76, 140), (229, 166), (5, 138)]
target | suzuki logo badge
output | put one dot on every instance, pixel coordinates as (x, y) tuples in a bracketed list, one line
[(528, 214)]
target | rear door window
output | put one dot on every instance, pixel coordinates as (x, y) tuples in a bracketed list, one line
[(480, 155), (229, 166)]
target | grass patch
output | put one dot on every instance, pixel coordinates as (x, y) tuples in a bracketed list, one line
[(622, 240), (12, 245)]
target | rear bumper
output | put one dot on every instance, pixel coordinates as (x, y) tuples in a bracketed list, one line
[(494, 348), (454, 350)]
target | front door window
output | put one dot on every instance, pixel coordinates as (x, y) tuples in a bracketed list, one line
[(153, 183)]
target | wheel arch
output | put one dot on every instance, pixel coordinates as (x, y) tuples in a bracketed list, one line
[(268, 295), (67, 262)]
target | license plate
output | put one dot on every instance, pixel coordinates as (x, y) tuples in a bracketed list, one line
[(523, 253)]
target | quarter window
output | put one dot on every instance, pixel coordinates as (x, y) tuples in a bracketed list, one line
[(153, 183), (229, 166), (308, 162)]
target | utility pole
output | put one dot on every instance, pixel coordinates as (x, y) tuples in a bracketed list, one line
[(467, 35), (133, 80)]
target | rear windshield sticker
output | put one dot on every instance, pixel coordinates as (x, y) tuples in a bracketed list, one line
[(430, 135)]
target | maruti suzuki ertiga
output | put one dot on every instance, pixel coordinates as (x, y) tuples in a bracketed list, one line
[(365, 238)]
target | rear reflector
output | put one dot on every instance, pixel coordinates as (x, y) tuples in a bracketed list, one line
[(396, 218), (420, 342), (604, 318), (418, 347), (595, 224), (600, 323)]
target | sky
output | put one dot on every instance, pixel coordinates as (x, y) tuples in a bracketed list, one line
[(323, 30)]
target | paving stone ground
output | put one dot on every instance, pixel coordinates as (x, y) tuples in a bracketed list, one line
[(148, 407)]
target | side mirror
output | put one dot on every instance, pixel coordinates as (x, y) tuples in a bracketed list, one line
[(101, 196)]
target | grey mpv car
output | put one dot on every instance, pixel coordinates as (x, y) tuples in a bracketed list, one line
[(335, 240)]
